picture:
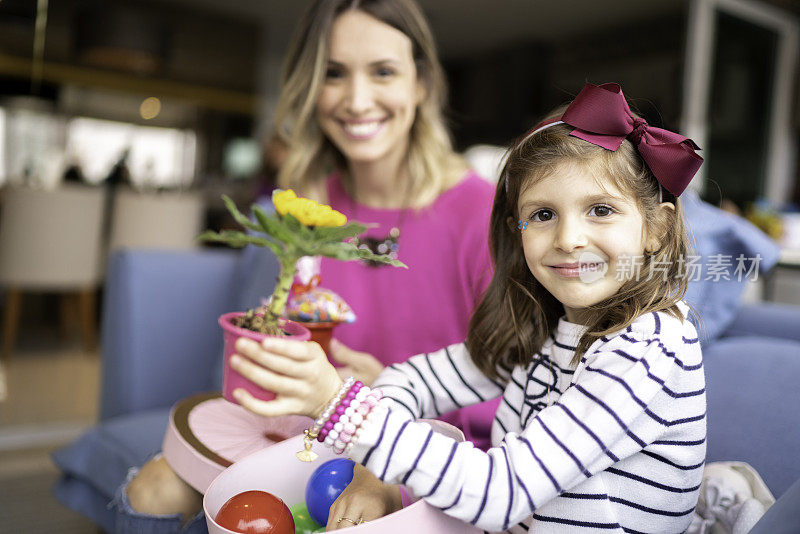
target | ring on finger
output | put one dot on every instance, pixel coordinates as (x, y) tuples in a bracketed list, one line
[(350, 520)]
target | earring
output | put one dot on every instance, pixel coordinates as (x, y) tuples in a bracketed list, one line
[(522, 225)]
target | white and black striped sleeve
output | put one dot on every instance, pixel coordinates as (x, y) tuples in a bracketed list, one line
[(604, 417), (429, 385)]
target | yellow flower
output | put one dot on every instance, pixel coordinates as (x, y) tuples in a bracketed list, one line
[(307, 211), (282, 200)]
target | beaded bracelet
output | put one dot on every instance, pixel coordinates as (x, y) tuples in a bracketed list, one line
[(352, 410), (333, 421), (356, 415), (369, 418), (307, 455)]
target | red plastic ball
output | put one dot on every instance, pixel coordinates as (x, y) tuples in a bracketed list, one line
[(256, 512)]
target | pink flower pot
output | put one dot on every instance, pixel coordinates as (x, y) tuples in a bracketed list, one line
[(231, 379)]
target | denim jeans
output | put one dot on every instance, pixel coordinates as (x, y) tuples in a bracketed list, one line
[(130, 521)]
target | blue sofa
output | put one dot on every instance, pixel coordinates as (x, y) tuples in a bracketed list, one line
[(161, 343)]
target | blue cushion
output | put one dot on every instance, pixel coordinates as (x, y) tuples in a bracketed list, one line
[(769, 319), (753, 402), (160, 334), (783, 517)]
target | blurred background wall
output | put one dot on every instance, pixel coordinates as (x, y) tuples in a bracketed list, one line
[(166, 104), (206, 71)]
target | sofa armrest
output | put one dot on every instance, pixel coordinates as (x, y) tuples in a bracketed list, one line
[(753, 399), (766, 319), (160, 338)]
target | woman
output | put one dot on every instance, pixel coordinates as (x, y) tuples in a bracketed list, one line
[(361, 112)]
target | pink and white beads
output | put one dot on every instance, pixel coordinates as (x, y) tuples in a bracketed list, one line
[(346, 417)]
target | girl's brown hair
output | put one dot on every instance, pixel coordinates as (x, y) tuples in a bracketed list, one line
[(517, 314), (432, 164)]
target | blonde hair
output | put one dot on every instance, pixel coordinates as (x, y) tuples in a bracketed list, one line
[(517, 314), (431, 162)]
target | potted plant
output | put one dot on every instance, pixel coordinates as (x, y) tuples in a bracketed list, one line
[(298, 227)]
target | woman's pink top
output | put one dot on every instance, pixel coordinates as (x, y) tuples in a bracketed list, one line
[(404, 312)]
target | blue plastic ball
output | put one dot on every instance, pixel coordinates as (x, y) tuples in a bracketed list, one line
[(325, 485)]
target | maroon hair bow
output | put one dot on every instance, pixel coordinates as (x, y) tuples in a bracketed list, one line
[(601, 116)]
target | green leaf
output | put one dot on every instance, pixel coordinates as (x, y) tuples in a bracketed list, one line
[(297, 227), (272, 225), (239, 216), (349, 252), (237, 239), (288, 238), (337, 233), (381, 258), (338, 252)]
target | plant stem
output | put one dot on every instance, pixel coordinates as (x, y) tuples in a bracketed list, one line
[(281, 293)]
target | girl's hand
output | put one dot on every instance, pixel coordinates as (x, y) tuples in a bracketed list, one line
[(297, 372), (362, 366), (364, 499)]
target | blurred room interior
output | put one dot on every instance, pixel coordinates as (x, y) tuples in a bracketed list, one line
[(139, 114)]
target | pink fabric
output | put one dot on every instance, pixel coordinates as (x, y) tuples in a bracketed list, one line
[(427, 306)]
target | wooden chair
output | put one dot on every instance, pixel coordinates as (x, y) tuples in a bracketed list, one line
[(52, 241)]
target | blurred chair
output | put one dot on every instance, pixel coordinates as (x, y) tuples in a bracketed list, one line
[(51, 241), (166, 220)]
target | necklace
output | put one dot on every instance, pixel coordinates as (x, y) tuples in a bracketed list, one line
[(389, 245)]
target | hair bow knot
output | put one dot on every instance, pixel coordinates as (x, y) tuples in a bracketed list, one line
[(639, 128), (601, 116)]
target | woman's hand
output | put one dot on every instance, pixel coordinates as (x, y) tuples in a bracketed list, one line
[(362, 366), (297, 372), (364, 499)]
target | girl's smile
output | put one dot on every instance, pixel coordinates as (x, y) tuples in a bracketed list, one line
[(579, 226), (577, 269)]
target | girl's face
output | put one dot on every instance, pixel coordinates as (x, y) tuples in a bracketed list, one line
[(370, 94), (578, 233)]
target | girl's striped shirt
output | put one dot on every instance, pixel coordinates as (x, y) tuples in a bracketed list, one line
[(616, 444)]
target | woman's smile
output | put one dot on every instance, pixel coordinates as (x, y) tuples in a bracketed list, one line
[(362, 129)]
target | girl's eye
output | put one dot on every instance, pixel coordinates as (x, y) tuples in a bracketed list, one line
[(542, 215), (602, 211)]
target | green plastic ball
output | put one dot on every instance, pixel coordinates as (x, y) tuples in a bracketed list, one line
[(303, 522)]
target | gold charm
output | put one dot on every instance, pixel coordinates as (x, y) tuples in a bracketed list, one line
[(307, 455)]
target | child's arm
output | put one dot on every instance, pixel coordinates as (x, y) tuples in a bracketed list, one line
[(622, 401), (428, 385), (623, 398)]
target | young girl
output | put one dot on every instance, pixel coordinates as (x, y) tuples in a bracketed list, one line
[(602, 421)]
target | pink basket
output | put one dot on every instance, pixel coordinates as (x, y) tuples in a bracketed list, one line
[(230, 378), (278, 471)]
